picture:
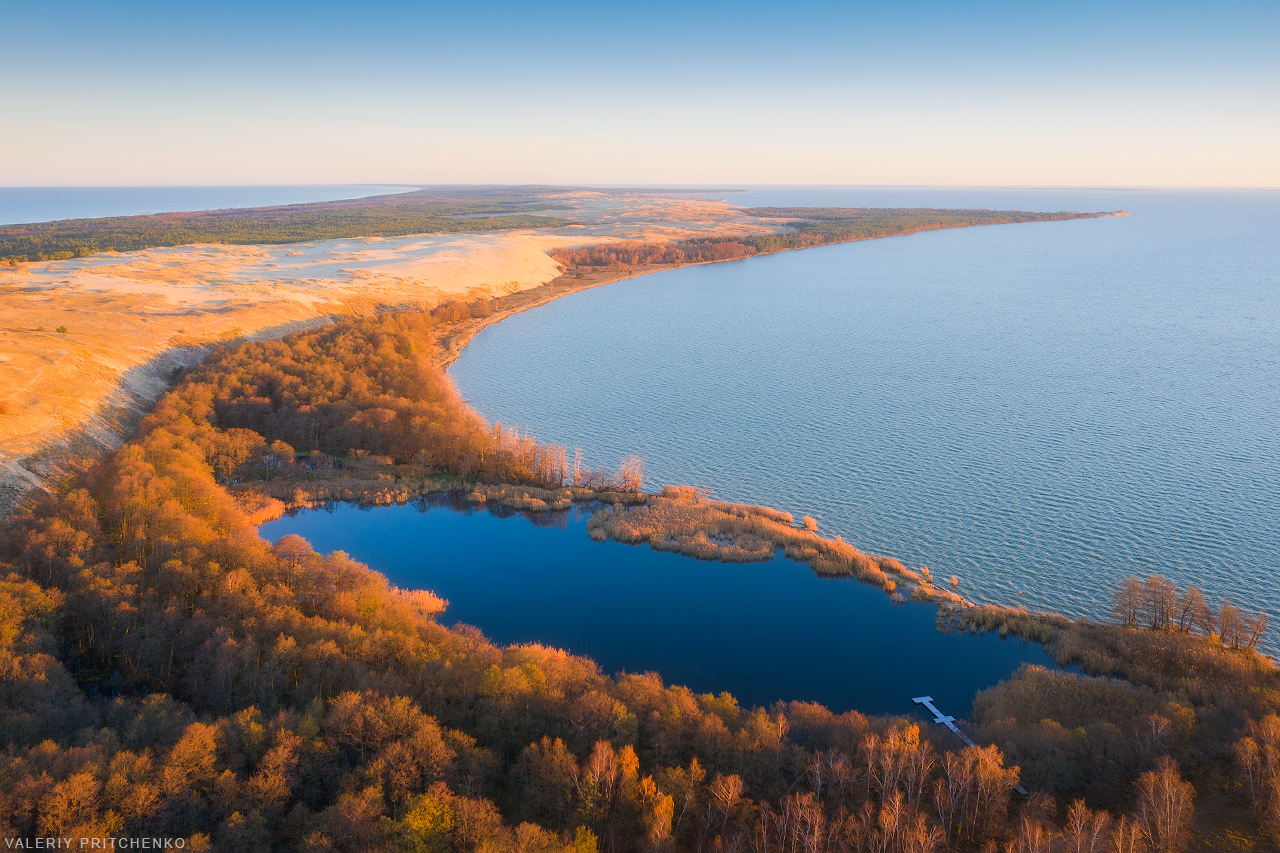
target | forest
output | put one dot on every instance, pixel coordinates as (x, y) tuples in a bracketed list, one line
[(396, 215), (809, 226), (165, 672)]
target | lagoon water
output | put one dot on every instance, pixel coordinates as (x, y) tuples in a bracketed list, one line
[(762, 631), (1039, 409), (45, 204)]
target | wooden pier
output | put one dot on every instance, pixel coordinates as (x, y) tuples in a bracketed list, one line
[(950, 722)]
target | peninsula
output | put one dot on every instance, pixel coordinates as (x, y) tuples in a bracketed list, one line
[(92, 340)]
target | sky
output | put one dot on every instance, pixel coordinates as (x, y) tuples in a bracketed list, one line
[(655, 93)]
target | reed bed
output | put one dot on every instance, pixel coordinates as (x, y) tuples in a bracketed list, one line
[(684, 520), (533, 499)]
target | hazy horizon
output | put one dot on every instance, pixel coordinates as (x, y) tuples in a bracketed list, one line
[(1148, 95), (672, 186)]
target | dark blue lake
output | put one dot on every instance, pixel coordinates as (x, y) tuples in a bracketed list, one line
[(762, 631)]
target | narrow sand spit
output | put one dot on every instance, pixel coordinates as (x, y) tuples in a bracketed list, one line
[(131, 319)]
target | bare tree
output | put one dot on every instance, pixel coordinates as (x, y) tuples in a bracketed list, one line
[(1258, 762), (1257, 627), (1127, 837), (840, 773), (1159, 598), (1032, 836), (1153, 733), (1231, 625), (1206, 620), (1085, 830), (1126, 601), (1165, 808), (631, 474), (953, 792), (919, 765), (1249, 762), (1191, 607), (816, 772)]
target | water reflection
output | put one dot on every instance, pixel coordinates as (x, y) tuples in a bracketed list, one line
[(762, 631)]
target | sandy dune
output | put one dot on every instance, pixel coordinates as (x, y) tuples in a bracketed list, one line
[(132, 318)]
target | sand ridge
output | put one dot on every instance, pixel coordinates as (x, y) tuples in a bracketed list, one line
[(132, 318)]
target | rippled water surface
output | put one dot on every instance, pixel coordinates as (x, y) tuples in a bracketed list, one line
[(1039, 408), (762, 631)]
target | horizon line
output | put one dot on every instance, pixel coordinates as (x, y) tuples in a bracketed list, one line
[(670, 186)]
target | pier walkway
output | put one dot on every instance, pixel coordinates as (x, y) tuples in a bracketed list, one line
[(950, 722)]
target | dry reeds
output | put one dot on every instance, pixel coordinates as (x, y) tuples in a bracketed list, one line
[(684, 520), (1041, 627)]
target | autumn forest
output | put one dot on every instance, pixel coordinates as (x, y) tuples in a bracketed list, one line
[(164, 671)]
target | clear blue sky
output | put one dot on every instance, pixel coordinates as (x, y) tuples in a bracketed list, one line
[(902, 93)]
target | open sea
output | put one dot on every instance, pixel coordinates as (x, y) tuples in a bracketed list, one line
[(22, 205), (1040, 409)]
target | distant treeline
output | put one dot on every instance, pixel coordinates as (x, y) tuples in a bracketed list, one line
[(421, 212), (812, 226)]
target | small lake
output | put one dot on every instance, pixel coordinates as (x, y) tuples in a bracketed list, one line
[(762, 631)]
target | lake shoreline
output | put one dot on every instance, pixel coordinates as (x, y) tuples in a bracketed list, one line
[(534, 577), (698, 539), (679, 519), (1043, 626), (126, 364), (454, 339)]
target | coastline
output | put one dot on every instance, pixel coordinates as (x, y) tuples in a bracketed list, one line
[(125, 324), (576, 279), (830, 557), (825, 556), (956, 612), (885, 572)]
